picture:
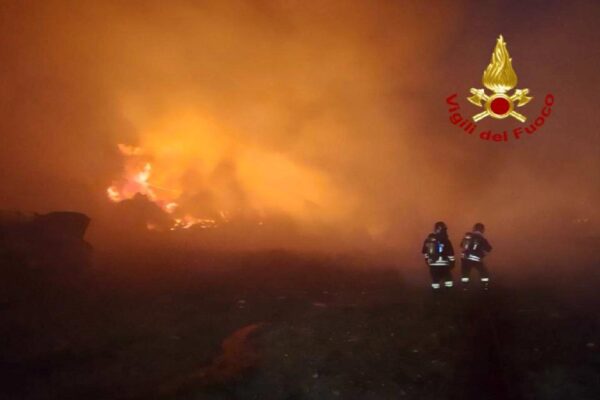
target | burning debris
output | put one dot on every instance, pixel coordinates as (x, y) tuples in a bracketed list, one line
[(203, 174), (179, 185), (135, 185)]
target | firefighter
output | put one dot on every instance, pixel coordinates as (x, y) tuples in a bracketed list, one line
[(439, 257), (474, 248)]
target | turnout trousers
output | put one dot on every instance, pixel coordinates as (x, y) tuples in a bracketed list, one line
[(440, 276), (467, 266)]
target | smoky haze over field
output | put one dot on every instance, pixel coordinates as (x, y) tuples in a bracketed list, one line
[(325, 119)]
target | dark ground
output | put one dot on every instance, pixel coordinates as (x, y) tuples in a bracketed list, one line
[(275, 325)]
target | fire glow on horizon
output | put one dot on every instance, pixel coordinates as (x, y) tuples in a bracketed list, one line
[(200, 176)]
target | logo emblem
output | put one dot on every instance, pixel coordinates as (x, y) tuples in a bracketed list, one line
[(500, 78)]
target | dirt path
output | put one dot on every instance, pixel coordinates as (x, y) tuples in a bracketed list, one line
[(485, 371)]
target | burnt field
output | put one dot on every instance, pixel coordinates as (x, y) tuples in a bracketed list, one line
[(279, 325)]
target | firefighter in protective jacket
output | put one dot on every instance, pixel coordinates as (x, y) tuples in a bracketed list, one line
[(474, 248), (439, 256)]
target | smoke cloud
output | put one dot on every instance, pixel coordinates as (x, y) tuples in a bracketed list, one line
[(329, 117)]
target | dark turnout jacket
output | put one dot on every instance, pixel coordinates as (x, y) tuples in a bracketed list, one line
[(475, 246), (437, 250)]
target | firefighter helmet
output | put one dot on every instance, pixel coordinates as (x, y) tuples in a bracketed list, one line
[(440, 226), (479, 227)]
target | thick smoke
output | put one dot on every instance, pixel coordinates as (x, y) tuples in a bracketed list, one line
[(325, 118)]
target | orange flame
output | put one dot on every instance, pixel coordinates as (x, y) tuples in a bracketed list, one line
[(205, 175), (499, 75), (136, 180)]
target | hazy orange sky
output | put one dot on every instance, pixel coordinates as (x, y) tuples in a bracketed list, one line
[(330, 113)]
